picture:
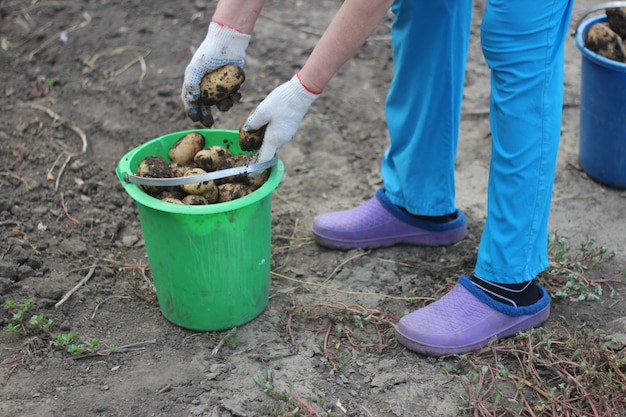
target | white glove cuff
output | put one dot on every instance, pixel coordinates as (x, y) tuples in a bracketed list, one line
[(298, 96), (229, 44)]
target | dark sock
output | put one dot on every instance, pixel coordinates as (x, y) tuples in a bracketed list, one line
[(435, 219), (516, 295), (439, 219)]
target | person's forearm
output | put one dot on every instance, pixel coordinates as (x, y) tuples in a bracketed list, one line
[(352, 25), (238, 14)]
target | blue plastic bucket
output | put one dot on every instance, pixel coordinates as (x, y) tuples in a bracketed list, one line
[(602, 134)]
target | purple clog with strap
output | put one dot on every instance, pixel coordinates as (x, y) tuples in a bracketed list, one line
[(466, 319), (379, 223)]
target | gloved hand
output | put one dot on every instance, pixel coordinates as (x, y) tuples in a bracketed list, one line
[(223, 45), (282, 111)]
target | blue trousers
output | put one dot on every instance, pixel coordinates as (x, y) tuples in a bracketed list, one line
[(523, 43)]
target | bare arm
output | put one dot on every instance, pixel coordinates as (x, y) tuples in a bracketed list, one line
[(238, 14), (352, 25)]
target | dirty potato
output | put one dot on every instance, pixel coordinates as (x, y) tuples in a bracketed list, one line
[(194, 200), (178, 169), (221, 84), (603, 41), (233, 190), (259, 180), (153, 167), (212, 158), (616, 17), (185, 148), (211, 194), (171, 200), (227, 103), (233, 161), (174, 192), (198, 188), (251, 140)]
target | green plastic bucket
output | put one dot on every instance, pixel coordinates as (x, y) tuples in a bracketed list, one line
[(210, 264)]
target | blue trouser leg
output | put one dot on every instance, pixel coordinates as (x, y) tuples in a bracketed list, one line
[(523, 43), (430, 41)]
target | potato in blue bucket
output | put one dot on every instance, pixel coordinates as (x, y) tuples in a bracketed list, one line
[(602, 133)]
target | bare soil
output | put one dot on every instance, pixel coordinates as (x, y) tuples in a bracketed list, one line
[(84, 82)]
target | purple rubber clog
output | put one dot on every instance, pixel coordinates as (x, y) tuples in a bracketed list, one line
[(466, 319), (378, 223)]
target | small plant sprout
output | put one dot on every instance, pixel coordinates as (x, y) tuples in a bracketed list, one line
[(22, 325)]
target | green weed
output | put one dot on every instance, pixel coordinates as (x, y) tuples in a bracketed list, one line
[(40, 326), (287, 403)]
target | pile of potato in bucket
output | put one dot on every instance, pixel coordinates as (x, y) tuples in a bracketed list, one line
[(608, 39), (188, 156)]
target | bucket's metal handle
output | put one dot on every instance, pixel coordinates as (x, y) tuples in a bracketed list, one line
[(597, 8), (192, 179)]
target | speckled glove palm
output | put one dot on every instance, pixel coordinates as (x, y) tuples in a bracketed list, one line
[(282, 111), (223, 45)]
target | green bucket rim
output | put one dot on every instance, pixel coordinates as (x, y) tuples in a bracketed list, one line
[(125, 166)]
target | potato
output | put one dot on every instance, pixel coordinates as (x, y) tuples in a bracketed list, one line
[(172, 192), (233, 190), (194, 200), (198, 188), (211, 194), (603, 41), (178, 169), (221, 84), (212, 158), (185, 148), (171, 200), (153, 167), (233, 161), (616, 17), (259, 180), (251, 140), (229, 102)]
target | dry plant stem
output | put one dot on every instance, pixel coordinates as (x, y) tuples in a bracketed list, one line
[(49, 173), (6, 44), (577, 360), (338, 267), (61, 170), (104, 301), (120, 349), (327, 352), (8, 174), (53, 38), (36, 4), (65, 122), (4, 223), (72, 219), (290, 246), (140, 57), (76, 287), (15, 363), (217, 348), (309, 411), (329, 313), (142, 64), (368, 412)]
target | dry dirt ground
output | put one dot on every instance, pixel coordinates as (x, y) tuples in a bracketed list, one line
[(112, 70)]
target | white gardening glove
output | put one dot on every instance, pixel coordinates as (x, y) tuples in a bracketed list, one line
[(282, 111), (223, 45)]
